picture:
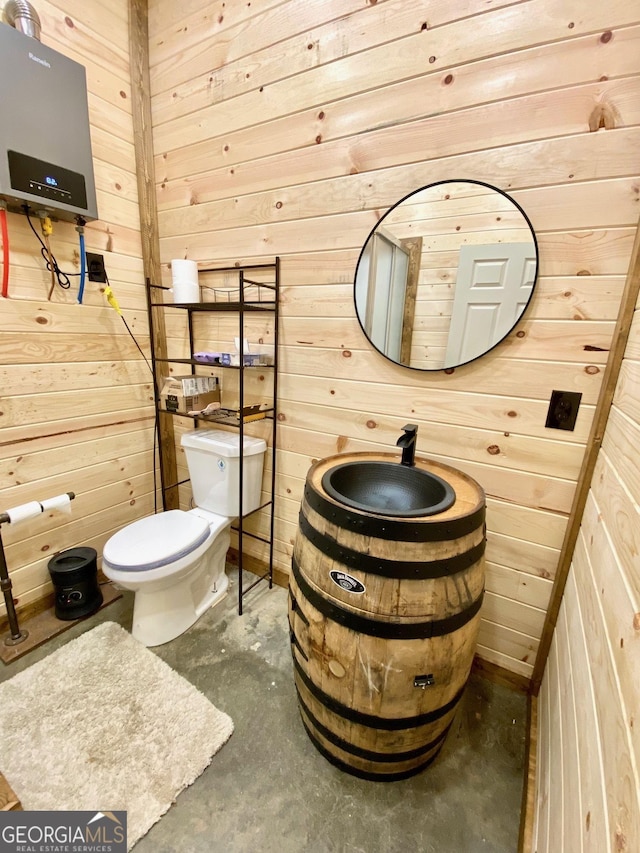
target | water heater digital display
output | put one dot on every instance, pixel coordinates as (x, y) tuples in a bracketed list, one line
[(45, 145), (46, 180)]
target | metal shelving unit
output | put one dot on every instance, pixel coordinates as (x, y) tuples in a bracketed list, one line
[(254, 297)]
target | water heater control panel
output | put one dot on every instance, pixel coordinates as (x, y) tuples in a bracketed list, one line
[(50, 182)]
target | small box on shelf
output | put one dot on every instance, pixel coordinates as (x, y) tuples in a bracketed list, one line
[(232, 359), (252, 354), (188, 393), (249, 359)]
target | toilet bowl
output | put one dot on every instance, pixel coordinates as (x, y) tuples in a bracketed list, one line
[(174, 561)]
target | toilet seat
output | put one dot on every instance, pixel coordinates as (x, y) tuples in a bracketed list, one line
[(159, 540)]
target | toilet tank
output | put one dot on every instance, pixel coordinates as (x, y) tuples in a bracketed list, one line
[(213, 458)]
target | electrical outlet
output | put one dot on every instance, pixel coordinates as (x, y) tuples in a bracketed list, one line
[(563, 410), (95, 268)]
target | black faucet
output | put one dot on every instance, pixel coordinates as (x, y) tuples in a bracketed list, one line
[(407, 442)]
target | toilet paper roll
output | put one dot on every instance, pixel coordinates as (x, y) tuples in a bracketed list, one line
[(184, 275), (186, 291), (62, 503), (24, 512), (183, 270)]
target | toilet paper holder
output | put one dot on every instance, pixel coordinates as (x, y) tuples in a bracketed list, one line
[(14, 516)]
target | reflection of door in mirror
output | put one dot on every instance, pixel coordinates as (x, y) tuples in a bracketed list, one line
[(493, 286), (381, 292)]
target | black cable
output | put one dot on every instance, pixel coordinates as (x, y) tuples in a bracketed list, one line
[(137, 344), (156, 428), (63, 278), (156, 449), (131, 333)]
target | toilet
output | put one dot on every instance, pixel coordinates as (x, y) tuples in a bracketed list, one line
[(175, 561)]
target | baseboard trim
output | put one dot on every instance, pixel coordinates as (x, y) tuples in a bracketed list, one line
[(258, 567), (43, 625), (500, 675), (525, 839), (29, 611), (35, 608)]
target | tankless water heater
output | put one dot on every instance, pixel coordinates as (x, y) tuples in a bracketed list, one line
[(45, 146)]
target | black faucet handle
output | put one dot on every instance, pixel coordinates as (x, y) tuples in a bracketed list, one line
[(407, 442)]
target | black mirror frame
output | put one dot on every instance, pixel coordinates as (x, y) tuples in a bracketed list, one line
[(524, 310)]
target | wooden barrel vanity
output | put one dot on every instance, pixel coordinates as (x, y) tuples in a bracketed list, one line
[(383, 615)]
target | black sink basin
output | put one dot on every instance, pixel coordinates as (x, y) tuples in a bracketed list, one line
[(388, 488)]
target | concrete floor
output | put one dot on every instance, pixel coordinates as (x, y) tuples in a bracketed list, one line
[(269, 791)]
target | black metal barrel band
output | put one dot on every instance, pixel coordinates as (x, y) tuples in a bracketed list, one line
[(366, 774), (393, 528), (295, 607), (391, 724), (398, 569), (423, 630), (370, 755)]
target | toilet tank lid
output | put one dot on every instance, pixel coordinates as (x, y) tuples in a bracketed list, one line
[(222, 442)]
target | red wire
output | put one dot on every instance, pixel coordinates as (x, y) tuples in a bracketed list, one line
[(5, 252)]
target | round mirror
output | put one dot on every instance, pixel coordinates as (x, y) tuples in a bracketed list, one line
[(445, 275)]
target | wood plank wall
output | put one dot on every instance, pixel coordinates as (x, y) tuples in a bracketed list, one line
[(588, 786), (288, 127), (76, 396)]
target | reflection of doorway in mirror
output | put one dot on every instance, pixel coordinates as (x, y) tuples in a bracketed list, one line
[(493, 286), (381, 292)]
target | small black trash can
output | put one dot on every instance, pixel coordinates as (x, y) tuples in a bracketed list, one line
[(74, 573)]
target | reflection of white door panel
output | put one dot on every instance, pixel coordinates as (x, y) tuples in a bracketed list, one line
[(493, 287), (380, 293)]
